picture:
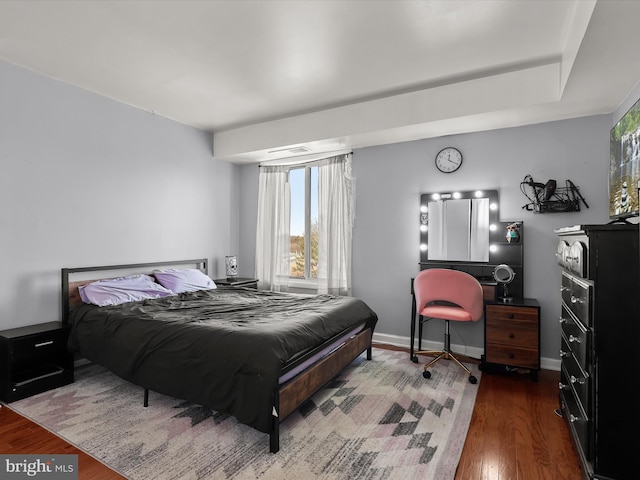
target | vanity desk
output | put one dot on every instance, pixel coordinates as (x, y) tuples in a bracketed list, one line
[(462, 231)]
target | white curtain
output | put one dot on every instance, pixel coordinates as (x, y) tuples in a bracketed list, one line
[(335, 222), (273, 243)]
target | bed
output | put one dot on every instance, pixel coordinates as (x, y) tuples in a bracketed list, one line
[(256, 355)]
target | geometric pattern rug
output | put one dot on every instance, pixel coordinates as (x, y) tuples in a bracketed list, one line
[(378, 419)]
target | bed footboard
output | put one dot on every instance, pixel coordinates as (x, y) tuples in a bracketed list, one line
[(299, 389)]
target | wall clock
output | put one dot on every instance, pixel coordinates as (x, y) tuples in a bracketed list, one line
[(448, 160)]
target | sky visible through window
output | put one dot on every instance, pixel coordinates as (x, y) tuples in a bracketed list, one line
[(296, 183)]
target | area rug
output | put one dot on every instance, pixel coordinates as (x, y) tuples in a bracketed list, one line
[(378, 419)]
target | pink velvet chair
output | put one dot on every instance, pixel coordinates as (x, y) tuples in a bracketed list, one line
[(449, 295)]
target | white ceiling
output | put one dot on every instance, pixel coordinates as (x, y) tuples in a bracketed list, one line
[(334, 75)]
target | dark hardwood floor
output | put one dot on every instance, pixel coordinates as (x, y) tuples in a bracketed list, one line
[(20, 435), (514, 434)]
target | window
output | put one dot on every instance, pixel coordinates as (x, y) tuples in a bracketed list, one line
[(303, 183), (313, 202)]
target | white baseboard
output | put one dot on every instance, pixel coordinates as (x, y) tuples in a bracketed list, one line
[(473, 352)]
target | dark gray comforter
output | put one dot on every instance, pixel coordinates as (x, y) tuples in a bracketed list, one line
[(223, 348)]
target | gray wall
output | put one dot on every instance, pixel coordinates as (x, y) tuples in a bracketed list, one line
[(85, 181), (390, 179)]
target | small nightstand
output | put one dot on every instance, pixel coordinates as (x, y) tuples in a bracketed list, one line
[(34, 359), (237, 282), (512, 335)]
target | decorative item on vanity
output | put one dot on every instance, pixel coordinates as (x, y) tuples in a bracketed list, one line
[(504, 275), (513, 233), (231, 265), (549, 198)]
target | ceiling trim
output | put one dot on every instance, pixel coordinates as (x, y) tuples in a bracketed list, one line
[(528, 86)]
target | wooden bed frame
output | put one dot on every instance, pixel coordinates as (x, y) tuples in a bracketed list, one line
[(288, 396)]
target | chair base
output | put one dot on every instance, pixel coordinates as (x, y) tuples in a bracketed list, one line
[(446, 354)]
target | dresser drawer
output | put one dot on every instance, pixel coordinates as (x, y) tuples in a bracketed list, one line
[(576, 337), (574, 376), (577, 421), (39, 379), (577, 295), (512, 355), (35, 347)]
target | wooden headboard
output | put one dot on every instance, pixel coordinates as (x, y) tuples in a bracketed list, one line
[(71, 294)]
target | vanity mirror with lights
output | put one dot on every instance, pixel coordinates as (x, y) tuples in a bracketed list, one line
[(461, 230)]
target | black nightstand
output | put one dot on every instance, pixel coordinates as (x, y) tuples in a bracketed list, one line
[(237, 282), (34, 359)]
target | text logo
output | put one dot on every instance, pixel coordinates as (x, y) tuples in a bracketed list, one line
[(49, 467)]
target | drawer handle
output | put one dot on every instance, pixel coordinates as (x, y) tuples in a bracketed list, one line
[(44, 344), (511, 355), (511, 315), (57, 371), (574, 339), (564, 289), (577, 380), (562, 320), (564, 354), (563, 386), (576, 300), (573, 418), (511, 335)]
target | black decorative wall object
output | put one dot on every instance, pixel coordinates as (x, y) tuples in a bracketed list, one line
[(549, 198)]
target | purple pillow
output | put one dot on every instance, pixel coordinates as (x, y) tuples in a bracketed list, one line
[(114, 291), (184, 280)]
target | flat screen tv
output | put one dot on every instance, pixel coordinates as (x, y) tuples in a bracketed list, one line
[(624, 166)]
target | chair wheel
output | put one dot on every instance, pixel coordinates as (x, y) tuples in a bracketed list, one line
[(426, 374), (414, 359), (473, 379)]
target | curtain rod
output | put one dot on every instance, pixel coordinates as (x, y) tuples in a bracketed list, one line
[(304, 158)]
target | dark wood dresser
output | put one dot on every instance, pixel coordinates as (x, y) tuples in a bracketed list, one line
[(599, 345), (512, 335)]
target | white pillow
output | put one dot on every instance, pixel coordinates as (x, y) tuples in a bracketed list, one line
[(114, 291), (184, 280)]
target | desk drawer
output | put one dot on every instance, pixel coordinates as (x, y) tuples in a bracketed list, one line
[(513, 334), (505, 313), (512, 355)]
